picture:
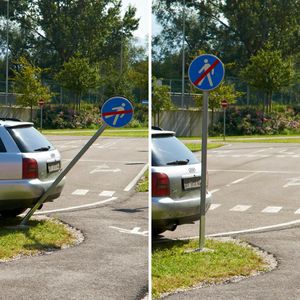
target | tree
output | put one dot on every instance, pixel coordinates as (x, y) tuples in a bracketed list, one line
[(53, 31), (269, 72), (78, 76), (222, 92), (161, 100), (28, 85)]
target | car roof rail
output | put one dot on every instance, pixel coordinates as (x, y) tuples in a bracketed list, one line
[(157, 128), (10, 119)]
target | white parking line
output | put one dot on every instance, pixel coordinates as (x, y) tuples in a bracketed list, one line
[(297, 212), (107, 193), (214, 191), (90, 205), (135, 230), (241, 179), (214, 206), (80, 192), (240, 208), (272, 209), (136, 179)]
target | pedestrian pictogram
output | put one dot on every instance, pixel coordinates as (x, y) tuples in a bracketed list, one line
[(117, 112), (206, 72)]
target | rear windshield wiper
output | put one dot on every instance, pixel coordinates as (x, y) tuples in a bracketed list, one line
[(178, 162), (42, 149)]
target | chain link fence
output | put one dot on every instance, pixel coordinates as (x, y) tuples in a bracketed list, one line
[(250, 95)]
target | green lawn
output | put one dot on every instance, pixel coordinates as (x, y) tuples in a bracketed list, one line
[(173, 268), (194, 147), (251, 139), (119, 132), (143, 184), (40, 236)]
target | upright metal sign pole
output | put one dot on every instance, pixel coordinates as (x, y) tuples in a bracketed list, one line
[(41, 117), (116, 112), (206, 72), (203, 169), (224, 124)]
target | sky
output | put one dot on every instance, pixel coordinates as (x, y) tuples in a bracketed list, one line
[(144, 13)]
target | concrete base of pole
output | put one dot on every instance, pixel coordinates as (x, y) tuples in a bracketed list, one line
[(198, 250)]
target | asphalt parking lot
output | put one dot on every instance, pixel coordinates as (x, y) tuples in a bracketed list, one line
[(255, 198), (99, 198), (253, 186)]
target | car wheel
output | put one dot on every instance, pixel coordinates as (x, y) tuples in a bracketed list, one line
[(12, 213)]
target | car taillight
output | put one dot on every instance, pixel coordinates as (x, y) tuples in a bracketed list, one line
[(160, 185), (30, 168)]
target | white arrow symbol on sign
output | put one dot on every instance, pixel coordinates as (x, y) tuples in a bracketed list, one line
[(135, 230)]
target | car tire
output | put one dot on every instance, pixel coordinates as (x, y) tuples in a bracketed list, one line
[(12, 213)]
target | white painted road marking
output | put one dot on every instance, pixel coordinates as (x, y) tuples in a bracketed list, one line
[(214, 206), (80, 192), (214, 191), (136, 179), (241, 179), (292, 182), (135, 230), (297, 212), (240, 208), (107, 193), (90, 205), (272, 209), (104, 168)]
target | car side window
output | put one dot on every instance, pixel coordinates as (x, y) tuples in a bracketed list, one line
[(2, 147)]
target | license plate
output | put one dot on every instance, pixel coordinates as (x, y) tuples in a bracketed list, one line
[(53, 167), (191, 183)]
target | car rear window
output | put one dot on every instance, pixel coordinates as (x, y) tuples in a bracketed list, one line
[(169, 150), (29, 139), (2, 147)]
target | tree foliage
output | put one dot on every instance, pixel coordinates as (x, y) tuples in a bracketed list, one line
[(269, 72), (53, 31), (161, 99), (28, 85), (78, 76)]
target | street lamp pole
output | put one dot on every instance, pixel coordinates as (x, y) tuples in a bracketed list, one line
[(183, 55), (6, 78)]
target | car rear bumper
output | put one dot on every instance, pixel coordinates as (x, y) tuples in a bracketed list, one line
[(167, 211), (25, 193)]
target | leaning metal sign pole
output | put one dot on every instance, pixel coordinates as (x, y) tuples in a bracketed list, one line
[(206, 72), (116, 112)]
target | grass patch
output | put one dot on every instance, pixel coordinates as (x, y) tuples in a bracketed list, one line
[(251, 139), (143, 184), (197, 147), (173, 269), (41, 235), (109, 132)]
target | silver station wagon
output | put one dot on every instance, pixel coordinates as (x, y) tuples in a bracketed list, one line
[(28, 166), (176, 179)]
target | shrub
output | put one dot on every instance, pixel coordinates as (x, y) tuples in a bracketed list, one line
[(249, 121)]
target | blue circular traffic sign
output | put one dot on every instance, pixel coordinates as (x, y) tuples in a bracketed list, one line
[(117, 112), (206, 72)]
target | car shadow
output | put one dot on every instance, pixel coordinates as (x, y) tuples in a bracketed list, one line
[(160, 242), (130, 210)]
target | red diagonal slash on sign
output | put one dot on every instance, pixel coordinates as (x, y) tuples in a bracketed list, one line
[(196, 82), (117, 112)]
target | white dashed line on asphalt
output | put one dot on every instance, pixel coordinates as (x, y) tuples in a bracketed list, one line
[(241, 179), (297, 212), (272, 209), (214, 206), (214, 191), (107, 193), (80, 192), (240, 208)]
